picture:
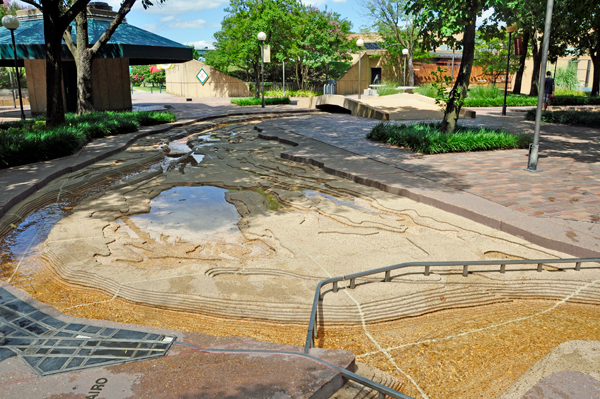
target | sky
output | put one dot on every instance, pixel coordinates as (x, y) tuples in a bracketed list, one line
[(195, 21)]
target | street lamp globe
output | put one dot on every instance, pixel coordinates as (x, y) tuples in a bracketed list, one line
[(360, 42), (10, 22), (262, 36), (404, 51)]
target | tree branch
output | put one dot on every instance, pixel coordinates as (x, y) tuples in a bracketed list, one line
[(68, 38), (125, 8), (72, 12)]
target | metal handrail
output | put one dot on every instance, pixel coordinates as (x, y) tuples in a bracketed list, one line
[(310, 336)]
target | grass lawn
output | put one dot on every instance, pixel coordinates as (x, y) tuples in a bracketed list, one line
[(29, 141), (258, 101), (426, 138), (155, 89)]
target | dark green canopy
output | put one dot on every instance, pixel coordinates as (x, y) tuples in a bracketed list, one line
[(140, 46)]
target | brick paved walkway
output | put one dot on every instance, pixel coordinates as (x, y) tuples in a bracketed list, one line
[(567, 185)]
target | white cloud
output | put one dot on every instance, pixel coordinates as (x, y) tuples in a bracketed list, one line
[(200, 44), (180, 24), (172, 7), (150, 28), (167, 19), (339, 1), (181, 7)]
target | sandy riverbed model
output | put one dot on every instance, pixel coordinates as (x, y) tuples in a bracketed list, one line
[(230, 229), (238, 238)]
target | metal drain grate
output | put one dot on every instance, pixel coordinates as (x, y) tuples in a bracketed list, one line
[(50, 346)]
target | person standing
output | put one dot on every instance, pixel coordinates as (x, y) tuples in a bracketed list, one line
[(548, 89)]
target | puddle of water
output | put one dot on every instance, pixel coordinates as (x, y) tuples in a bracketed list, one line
[(198, 157), (23, 245), (196, 214), (208, 137)]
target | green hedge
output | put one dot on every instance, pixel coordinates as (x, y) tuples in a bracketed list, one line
[(426, 138), (258, 101), (574, 118), (511, 101), (575, 100), (29, 141)]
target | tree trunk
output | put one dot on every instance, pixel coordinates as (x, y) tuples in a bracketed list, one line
[(519, 75), (459, 91), (537, 65), (411, 71), (596, 79), (83, 62), (55, 110)]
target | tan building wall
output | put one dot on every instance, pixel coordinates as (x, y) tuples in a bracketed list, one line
[(110, 84), (563, 62), (348, 83), (182, 81)]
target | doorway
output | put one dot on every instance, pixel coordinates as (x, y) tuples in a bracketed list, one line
[(376, 76)]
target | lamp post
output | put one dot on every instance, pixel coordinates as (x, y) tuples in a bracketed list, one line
[(262, 36), (533, 148), (360, 43), (11, 23), (510, 30), (404, 53)]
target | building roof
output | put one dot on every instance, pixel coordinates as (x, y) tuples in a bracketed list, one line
[(128, 41)]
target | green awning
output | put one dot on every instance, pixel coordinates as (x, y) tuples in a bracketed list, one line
[(128, 41)]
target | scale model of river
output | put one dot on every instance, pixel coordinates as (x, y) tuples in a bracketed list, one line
[(225, 237)]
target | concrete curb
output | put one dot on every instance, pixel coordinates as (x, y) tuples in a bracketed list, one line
[(366, 171), (92, 153)]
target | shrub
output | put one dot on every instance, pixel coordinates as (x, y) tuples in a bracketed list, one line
[(427, 90), (573, 118), (258, 101), (577, 93), (566, 78), (29, 141), (426, 138), (512, 100), (576, 100), (485, 92), (292, 93)]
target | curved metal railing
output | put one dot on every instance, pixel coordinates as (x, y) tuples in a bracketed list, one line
[(312, 330)]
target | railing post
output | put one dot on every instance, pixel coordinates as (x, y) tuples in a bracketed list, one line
[(352, 283), (577, 266), (502, 268), (335, 286), (539, 268), (387, 276), (427, 270), (465, 270), (381, 395)]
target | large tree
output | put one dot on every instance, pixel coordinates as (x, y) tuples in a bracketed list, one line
[(583, 18), (237, 44), (443, 21), (398, 28), (57, 15), (320, 39), (491, 53), (84, 53)]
